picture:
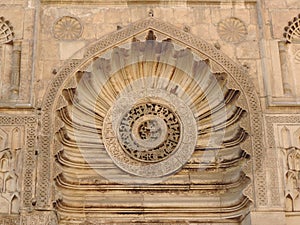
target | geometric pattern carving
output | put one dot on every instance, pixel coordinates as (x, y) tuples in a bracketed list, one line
[(67, 28), (217, 60), (273, 122), (232, 30), (10, 220), (39, 218), (6, 34), (11, 142), (292, 31)]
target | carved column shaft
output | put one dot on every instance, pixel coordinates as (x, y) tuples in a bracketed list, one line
[(15, 76), (287, 89)]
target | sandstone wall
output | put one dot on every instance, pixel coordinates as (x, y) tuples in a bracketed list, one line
[(40, 37)]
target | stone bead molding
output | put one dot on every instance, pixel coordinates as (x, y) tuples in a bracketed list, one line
[(218, 63), (6, 33), (292, 31)]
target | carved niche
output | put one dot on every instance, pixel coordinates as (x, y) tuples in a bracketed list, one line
[(145, 115), (284, 82), (10, 63), (11, 142), (290, 147), (292, 190), (141, 115)]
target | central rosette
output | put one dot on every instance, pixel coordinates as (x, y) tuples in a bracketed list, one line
[(149, 132)]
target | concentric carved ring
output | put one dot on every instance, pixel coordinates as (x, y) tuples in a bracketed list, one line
[(149, 133)]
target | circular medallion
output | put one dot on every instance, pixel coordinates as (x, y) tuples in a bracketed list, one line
[(67, 28), (232, 30), (149, 133)]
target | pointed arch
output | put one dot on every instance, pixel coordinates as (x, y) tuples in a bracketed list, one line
[(16, 138), (296, 138), (5, 161), (3, 139), (285, 137)]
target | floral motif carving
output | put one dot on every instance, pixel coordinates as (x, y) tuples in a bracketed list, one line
[(232, 30), (67, 28), (292, 31)]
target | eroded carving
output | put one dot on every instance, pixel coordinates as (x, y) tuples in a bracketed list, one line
[(10, 63), (15, 76), (67, 28), (232, 30), (286, 83)]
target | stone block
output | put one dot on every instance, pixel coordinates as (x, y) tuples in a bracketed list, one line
[(247, 50), (267, 218), (67, 49)]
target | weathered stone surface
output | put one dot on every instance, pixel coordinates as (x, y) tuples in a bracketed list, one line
[(170, 112)]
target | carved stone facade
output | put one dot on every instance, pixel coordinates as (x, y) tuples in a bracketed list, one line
[(150, 112)]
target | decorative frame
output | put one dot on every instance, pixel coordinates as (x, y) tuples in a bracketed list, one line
[(218, 62), (30, 123), (271, 122)]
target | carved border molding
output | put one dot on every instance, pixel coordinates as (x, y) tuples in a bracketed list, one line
[(10, 219), (146, 2), (218, 61), (30, 123)]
